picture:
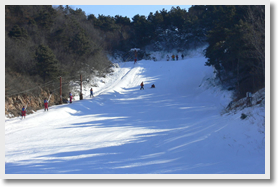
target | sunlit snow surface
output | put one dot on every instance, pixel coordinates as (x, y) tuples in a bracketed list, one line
[(177, 128)]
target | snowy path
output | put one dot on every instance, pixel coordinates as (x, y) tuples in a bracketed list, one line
[(175, 128)]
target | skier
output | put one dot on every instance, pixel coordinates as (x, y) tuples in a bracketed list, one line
[(70, 96), (45, 105), (173, 57), (168, 58), (91, 92), (182, 56), (177, 57), (142, 86), (153, 86), (23, 112), (135, 57), (249, 98)]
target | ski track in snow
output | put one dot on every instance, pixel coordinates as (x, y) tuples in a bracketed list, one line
[(175, 128)]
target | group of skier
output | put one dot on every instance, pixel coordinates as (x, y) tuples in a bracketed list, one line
[(142, 86), (174, 57), (23, 111)]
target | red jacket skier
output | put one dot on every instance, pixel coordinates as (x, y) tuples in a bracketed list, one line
[(70, 96), (23, 112), (45, 105), (142, 86)]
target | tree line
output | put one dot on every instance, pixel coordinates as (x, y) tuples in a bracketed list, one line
[(43, 42), (236, 46)]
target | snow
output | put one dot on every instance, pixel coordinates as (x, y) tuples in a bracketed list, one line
[(179, 127)]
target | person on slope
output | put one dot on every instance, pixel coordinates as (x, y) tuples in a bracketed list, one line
[(182, 56), (23, 112), (153, 86), (135, 57), (70, 96), (168, 58), (45, 104), (177, 57), (173, 57), (91, 92), (142, 86)]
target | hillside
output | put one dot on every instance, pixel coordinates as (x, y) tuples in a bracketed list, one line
[(176, 128), (44, 42)]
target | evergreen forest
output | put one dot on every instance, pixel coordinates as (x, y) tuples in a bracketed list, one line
[(43, 42)]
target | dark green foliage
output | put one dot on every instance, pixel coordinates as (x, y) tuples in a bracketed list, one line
[(142, 30), (162, 30), (178, 17), (18, 33), (105, 23), (236, 46), (46, 62), (124, 21), (80, 44), (67, 33), (45, 19)]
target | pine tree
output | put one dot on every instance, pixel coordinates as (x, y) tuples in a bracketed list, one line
[(236, 46), (80, 44), (46, 62), (18, 33)]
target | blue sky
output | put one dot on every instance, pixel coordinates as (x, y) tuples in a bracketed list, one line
[(124, 10)]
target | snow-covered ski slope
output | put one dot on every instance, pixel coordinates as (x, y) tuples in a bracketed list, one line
[(176, 128)]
